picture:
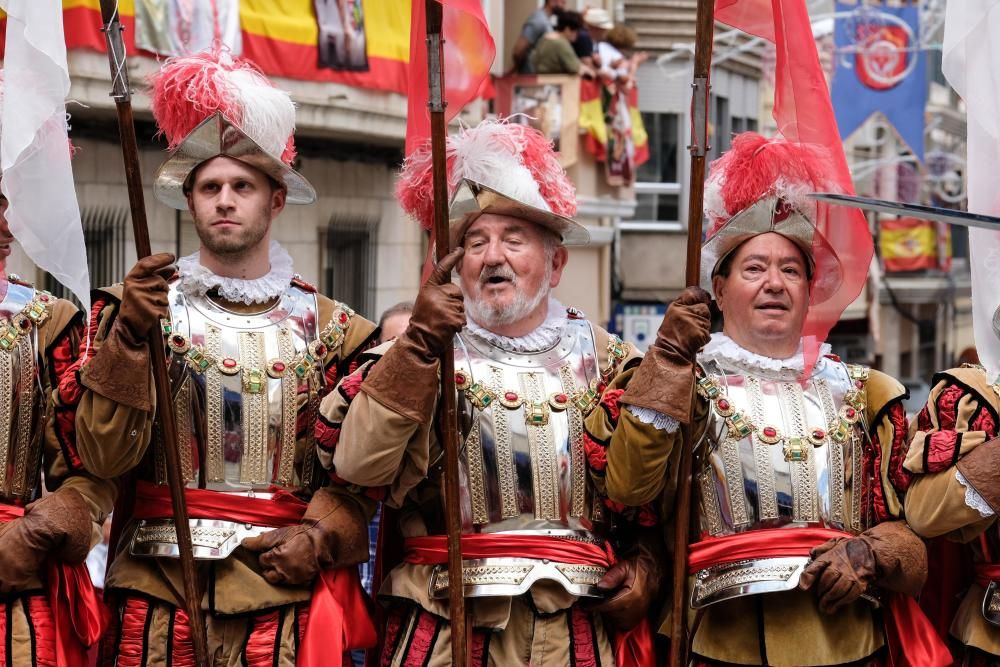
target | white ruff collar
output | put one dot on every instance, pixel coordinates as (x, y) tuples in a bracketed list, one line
[(724, 348), (196, 279), (544, 337)]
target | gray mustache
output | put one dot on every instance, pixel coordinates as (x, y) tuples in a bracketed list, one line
[(504, 272)]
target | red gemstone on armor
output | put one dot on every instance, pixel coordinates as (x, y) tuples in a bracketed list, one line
[(723, 404), (561, 398), (177, 340), (601, 387), (44, 298), (343, 318), (510, 396), (459, 379), (321, 350), (859, 384), (229, 362), (851, 413), (819, 433), (770, 431), (278, 367), (25, 324)]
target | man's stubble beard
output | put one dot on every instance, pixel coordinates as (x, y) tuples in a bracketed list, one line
[(235, 247)]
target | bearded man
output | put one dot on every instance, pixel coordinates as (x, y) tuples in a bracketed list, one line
[(542, 586), (251, 350), (798, 461)]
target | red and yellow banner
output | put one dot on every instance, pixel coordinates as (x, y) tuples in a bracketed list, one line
[(281, 36), (594, 123), (909, 244)]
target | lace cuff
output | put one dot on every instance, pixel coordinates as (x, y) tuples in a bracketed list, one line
[(972, 497), (657, 420)]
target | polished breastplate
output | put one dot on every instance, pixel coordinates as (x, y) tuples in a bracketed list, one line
[(22, 311), (778, 453), (523, 468), (239, 382)]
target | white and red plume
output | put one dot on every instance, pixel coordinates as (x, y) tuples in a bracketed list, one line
[(515, 160), (756, 167), (189, 89)]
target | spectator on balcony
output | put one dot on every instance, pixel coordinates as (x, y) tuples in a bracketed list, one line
[(539, 23), (554, 52), (619, 45)]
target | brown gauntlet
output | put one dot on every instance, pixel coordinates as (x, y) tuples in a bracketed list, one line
[(664, 380), (405, 378), (58, 526), (120, 370), (632, 584), (333, 533), (890, 556)]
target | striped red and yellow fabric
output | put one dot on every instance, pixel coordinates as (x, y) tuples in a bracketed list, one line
[(908, 244), (593, 124), (281, 36)]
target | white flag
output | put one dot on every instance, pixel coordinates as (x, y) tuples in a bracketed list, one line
[(183, 27), (971, 63), (43, 213)]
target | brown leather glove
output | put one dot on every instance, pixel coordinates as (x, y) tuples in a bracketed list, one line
[(333, 533), (664, 380), (438, 314), (121, 369), (889, 555), (144, 300), (632, 584), (57, 526)]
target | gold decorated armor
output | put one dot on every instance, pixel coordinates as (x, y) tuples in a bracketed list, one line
[(778, 453), (22, 403), (241, 383), (523, 463)]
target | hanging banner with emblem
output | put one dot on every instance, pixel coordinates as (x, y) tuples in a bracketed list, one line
[(880, 68)]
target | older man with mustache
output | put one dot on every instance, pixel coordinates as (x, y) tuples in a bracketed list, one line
[(798, 464), (542, 581)]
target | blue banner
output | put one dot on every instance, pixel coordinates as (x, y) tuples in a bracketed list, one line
[(880, 68)]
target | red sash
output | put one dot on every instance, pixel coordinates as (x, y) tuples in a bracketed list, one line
[(987, 572), (79, 617), (632, 649), (337, 595), (911, 638)]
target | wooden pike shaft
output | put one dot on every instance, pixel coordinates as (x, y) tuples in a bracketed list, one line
[(704, 37), (448, 412), (164, 404)]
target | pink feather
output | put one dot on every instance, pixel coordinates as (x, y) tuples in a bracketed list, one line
[(414, 187), (188, 89), (756, 167)]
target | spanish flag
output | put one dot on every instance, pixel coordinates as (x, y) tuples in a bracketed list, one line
[(908, 244), (594, 124), (281, 37)]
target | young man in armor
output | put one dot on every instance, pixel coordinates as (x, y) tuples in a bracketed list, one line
[(252, 349)]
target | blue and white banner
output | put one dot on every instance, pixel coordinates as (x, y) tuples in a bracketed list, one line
[(880, 68)]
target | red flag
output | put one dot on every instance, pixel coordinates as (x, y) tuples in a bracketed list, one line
[(468, 55), (804, 113)]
